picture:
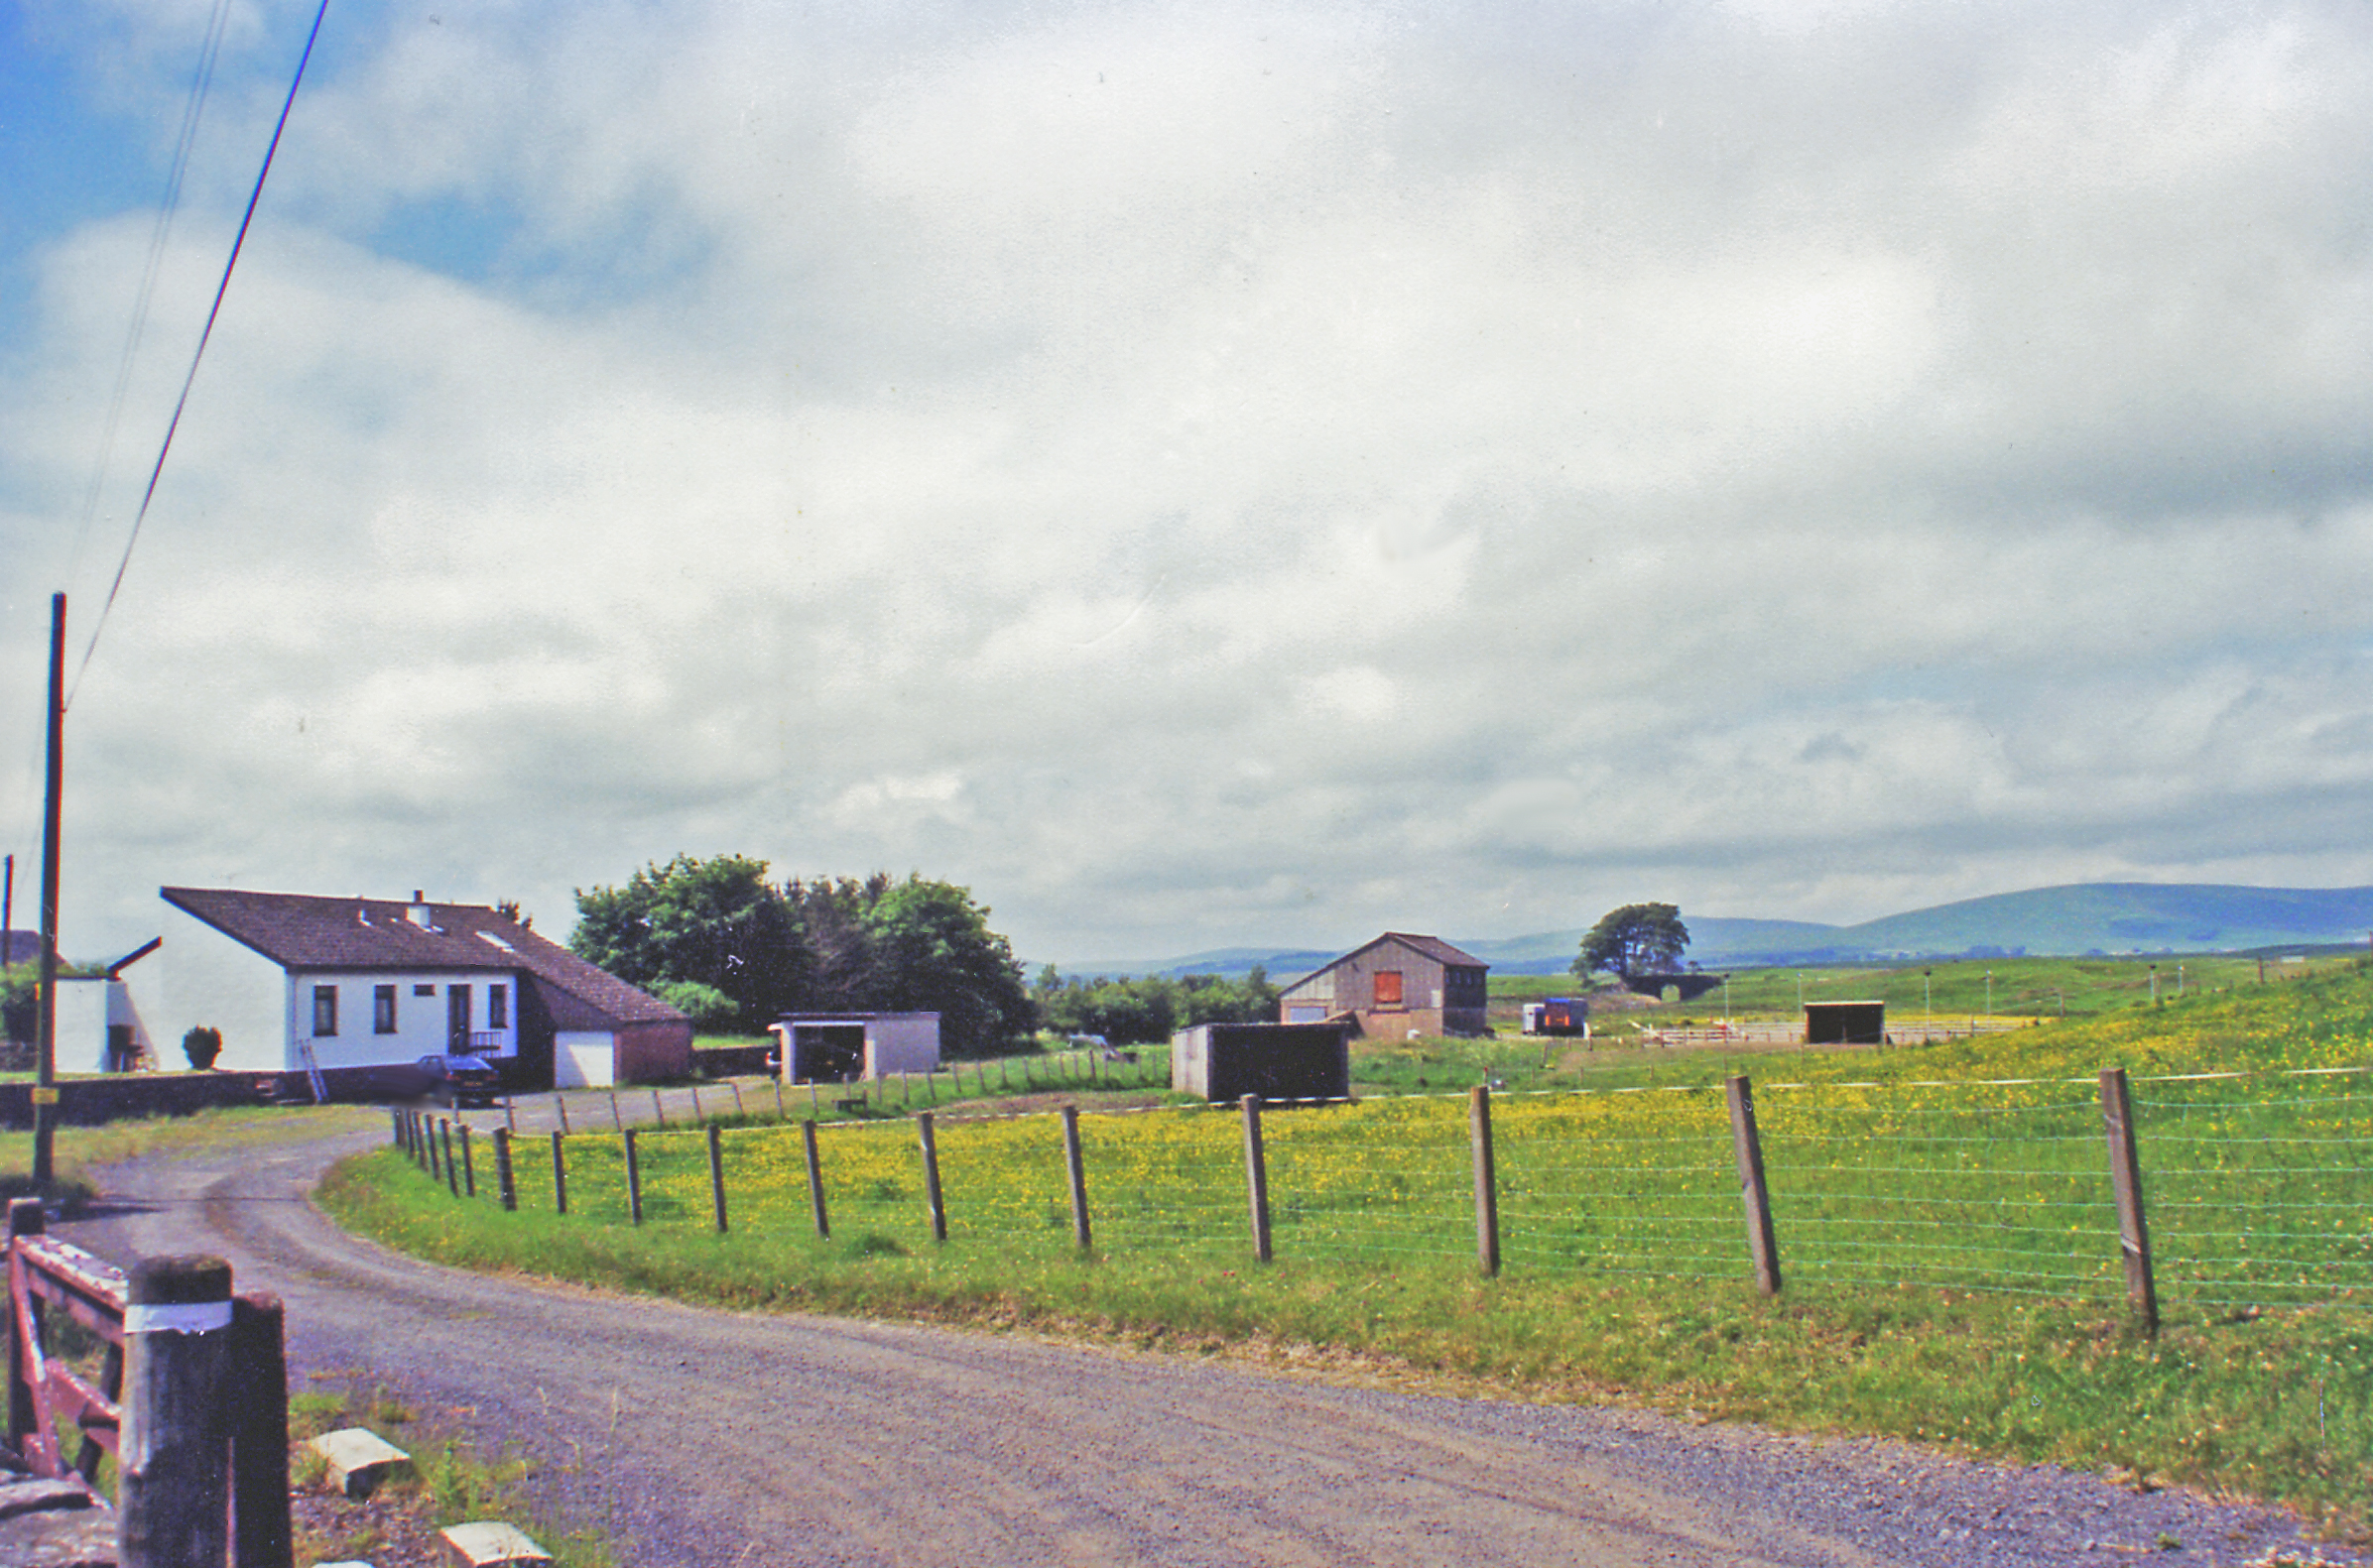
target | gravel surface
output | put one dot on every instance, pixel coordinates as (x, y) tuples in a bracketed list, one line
[(712, 1438)]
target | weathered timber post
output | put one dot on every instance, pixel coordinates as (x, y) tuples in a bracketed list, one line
[(659, 1111), (559, 1175), (561, 1108), (25, 1218), (1256, 1178), (634, 1179), (173, 1476), (716, 1175), (739, 1109), (469, 1166), (697, 1116), (1752, 1191), (259, 1389), (1487, 1196), (1077, 1169), (930, 1177), (395, 1116), (503, 1183), (617, 1122), (815, 1180), (2125, 1176), (435, 1174), (452, 1175), (781, 1115), (510, 1116)]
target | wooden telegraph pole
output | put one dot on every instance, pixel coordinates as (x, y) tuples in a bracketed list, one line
[(45, 1092)]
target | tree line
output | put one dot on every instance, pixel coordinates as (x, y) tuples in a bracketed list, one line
[(1130, 1011), (720, 942)]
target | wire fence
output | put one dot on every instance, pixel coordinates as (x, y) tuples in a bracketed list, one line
[(2256, 1190)]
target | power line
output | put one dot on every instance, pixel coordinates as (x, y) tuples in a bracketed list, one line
[(200, 86), (149, 494)]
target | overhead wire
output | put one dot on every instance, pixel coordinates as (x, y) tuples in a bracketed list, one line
[(214, 311), (160, 235)]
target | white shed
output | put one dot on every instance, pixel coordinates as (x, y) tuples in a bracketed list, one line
[(837, 1048)]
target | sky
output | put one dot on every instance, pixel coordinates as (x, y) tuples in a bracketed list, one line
[(1196, 476)]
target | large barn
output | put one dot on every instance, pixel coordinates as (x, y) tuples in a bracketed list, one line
[(1396, 985)]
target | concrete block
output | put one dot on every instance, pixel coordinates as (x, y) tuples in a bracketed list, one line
[(490, 1543), (358, 1459)]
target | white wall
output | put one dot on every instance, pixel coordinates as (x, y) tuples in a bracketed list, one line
[(419, 1020), (583, 1059), (200, 976), (82, 1037), (901, 1042)]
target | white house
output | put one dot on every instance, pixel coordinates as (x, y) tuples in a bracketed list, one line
[(373, 983)]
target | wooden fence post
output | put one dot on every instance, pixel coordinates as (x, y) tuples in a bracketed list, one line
[(697, 1116), (1256, 1177), (617, 1122), (634, 1179), (469, 1166), (781, 1115), (25, 1218), (716, 1175), (930, 1177), (1077, 1168), (739, 1109), (503, 1183), (435, 1172), (2125, 1176), (452, 1176), (559, 1175), (259, 1387), (395, 1116), (173, 1476), (1487, 1196), (815, 1180), (561, 1108), (510, 1116), (1752, 1191)]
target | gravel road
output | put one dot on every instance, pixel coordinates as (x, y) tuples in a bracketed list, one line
[(719, 1439)]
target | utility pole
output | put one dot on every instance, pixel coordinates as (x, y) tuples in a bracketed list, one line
[(45, 1092)]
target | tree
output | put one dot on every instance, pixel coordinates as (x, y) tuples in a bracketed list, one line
[(715, 923), (1637, 939), (930, 949), (201, 1046)]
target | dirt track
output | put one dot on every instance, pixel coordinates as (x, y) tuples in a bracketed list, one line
[(716, 1439)]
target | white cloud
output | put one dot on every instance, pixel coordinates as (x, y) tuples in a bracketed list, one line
[(1233, 475)]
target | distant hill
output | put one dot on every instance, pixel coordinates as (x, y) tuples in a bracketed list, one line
[(2083, 917)]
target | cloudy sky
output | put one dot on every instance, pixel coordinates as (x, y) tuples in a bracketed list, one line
[(1199, 474)]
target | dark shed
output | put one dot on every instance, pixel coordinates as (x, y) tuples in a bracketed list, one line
[(1277, 1061), (1845, 1023)]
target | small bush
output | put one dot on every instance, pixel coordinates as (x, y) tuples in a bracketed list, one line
[(201, 1046)]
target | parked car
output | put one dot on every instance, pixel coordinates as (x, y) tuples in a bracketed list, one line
[(462, 1080)]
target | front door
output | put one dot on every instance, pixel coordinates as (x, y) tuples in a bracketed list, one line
[(456, 1019)]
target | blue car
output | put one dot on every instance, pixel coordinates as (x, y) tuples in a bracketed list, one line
[(462, 1080)]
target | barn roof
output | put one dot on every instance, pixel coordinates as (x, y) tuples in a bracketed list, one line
[(1433, 947), (300, 930)]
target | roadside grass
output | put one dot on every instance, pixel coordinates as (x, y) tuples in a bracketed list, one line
[(2270, 1404), (2264, 1400)]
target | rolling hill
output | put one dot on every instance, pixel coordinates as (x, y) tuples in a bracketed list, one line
[(2082, 918)]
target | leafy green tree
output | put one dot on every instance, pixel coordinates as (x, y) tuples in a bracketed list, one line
[(1636, 939), (930, 949), (716, 923)]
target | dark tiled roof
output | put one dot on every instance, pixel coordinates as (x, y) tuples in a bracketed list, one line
[(299, 930)]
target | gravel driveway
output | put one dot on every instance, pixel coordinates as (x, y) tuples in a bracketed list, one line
[(714, 1439)]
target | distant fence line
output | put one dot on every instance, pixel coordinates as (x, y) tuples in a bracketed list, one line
[(2208, 1189)]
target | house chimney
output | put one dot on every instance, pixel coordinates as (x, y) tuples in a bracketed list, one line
[(419, 913)]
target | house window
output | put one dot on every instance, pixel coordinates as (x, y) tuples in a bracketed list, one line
[(326, 1010), (424, 991), (1388, 988), (383, 1010), (498, 1006)]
